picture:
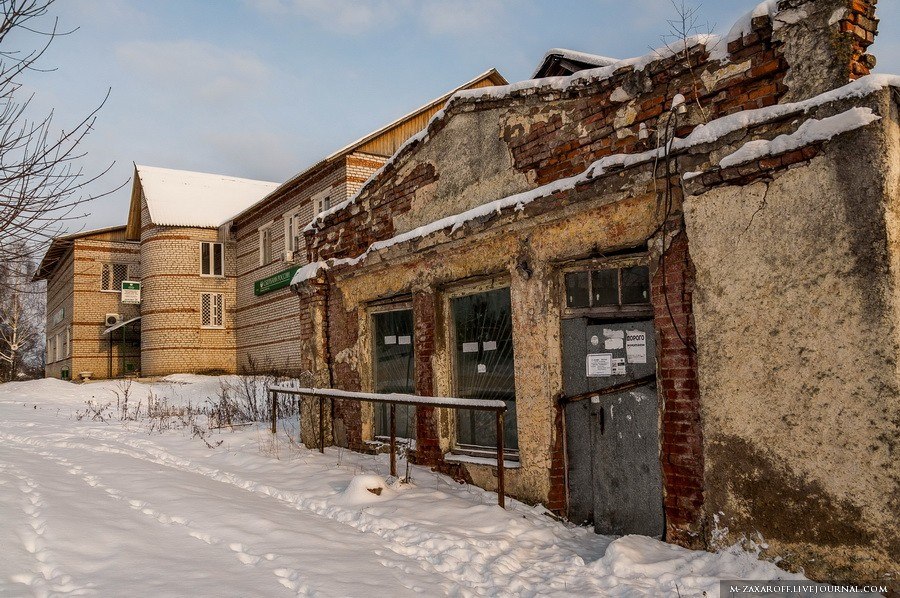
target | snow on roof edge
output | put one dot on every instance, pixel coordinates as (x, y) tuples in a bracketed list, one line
[(196, 199), (556, 83), (702, 134)]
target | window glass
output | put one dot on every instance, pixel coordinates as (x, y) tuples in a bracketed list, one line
[(204, 258), (636, 284), (577, 292), (265, 246), (217, 259), (394, 369), (605, 286), (211, 259), (483, 365)]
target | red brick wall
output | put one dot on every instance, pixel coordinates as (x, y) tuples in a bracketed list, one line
[(428, 448), (860, 26), (681, 454)]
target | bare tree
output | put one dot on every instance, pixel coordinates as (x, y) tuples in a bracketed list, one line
[(21, 320), (41, 182)]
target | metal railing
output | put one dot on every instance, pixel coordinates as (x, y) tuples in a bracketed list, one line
[(392, 399)]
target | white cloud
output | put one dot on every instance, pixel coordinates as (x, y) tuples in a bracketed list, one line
[(358, 16), (254, 154), (344, 16), (207, 72), (463, 16)]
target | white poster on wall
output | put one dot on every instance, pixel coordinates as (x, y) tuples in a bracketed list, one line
[(613, 339), (599, 365), (636, 346)]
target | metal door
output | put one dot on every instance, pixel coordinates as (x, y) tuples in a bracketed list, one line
[(612, 436)]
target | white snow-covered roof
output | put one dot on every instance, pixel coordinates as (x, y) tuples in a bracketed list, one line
[(199, 199), (583, 57)]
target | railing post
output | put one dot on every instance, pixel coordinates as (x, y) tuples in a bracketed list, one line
[(393, 440), (274, 401), (322, 425), (501, 486)]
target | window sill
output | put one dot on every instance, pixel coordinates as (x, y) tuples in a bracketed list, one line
[(212, 276), (470, 459), (212, 328), (109, 291)]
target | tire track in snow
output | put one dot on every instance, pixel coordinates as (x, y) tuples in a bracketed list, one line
[(289, 578), (477, 567), (49, 579)]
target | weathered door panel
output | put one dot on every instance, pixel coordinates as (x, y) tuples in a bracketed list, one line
[(612, 439), (627, 479)]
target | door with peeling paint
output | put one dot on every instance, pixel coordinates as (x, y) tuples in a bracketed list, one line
[(612, 436), (611, 405)]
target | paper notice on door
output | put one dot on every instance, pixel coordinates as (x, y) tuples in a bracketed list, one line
[(618, 366), (390, 340), (636, 346), (404, 340), (489, 345), (470, 347), (482, 369), (599, 365), (613, 339)]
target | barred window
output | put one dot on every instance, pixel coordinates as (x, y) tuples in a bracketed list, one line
[(112, 275), (211, 259), (211, 307)]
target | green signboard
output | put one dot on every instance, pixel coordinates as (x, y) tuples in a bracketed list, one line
[(274, 282), (131, 292)]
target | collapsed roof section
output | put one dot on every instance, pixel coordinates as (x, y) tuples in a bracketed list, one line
[(560, 62)]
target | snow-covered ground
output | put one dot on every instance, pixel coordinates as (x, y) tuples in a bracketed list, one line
[(112, 508)]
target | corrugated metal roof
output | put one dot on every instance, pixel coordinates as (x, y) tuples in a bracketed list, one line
[(197, 199)]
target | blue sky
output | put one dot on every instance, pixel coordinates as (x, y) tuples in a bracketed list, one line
[(263, 88)]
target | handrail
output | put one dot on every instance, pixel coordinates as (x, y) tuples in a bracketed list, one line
[(394, 399)]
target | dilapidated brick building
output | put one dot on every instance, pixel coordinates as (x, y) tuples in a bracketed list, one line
[(680, 273)]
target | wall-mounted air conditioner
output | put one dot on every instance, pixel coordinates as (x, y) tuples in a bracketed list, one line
[(113, 319)]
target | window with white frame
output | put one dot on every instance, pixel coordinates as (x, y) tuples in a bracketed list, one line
[(51, 353), (322, 202), (293, 234), (265, 244), (112, 275), (211, 259), (67, 342), (211, 307)]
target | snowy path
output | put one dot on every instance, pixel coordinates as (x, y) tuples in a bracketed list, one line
[(109, 509)]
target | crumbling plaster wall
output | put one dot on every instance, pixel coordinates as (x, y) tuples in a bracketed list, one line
[(610, 219), (475, 167), (796, 313)]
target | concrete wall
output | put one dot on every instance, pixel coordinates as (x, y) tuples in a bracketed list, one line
[(797, 317)]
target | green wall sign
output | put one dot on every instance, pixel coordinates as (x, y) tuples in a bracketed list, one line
[(274, 282)]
